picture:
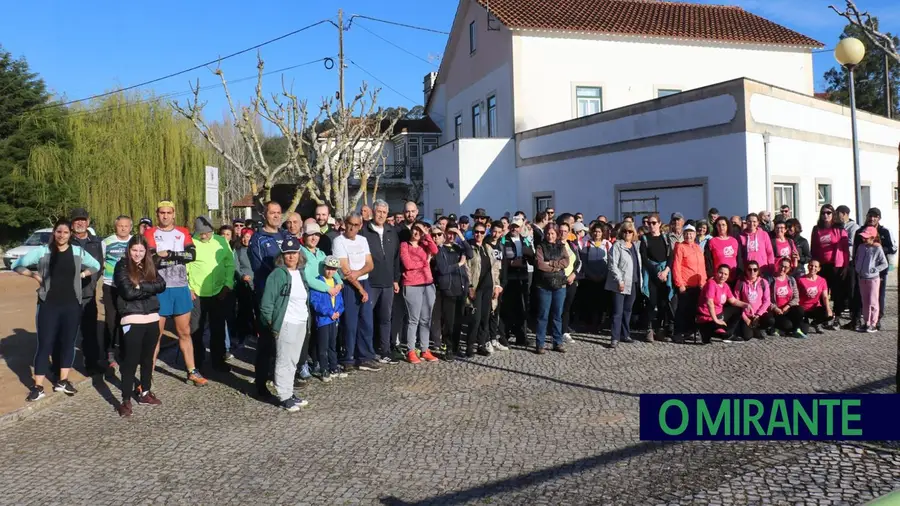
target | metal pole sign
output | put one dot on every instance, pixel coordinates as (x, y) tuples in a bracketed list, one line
[(212, 188)]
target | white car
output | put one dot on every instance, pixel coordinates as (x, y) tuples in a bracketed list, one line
[(36, 239)]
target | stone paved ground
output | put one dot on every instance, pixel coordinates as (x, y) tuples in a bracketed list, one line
[(514, 428)]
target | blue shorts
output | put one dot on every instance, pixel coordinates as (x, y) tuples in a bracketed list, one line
[(175, 301)]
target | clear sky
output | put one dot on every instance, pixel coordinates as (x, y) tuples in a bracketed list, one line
[(84, 48)]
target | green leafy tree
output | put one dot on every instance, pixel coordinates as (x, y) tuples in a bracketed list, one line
[(868, 75)]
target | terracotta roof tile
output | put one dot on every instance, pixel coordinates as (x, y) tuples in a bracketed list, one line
[(646, 17)]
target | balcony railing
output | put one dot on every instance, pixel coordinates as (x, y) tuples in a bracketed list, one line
[(395, 172)]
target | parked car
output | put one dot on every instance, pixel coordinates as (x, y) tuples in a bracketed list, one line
[(37, 238)]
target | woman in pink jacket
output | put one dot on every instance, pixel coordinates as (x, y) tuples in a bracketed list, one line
[(756, 246), (830, 245), (418, 290), (754, 290)]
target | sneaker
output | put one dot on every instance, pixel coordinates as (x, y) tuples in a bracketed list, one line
[(862, 328), (878, 325), (370, 366), (300, 402), (489, 348), (832, 325), (64, 386), (613, 344), (817, 329), (338, 373), (290, 405), (559, 349), (800, 334), (412, 358), (196, 378), (35, 394), (485, 351), (387, 360), (228, 355), (567, 337), (428, 356), (304, 372), (651, 336), (872, 330), (326, 377), (124, 409), (147, 399), (626, 340), (499, 347)]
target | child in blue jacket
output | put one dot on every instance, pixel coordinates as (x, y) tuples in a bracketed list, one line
[(327, 311)]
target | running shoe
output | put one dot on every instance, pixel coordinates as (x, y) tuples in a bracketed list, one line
[(369, 365), (412, 358), (65, 386), (428, 356), (196, 378), (35, 394), (147, 399), (125, 409)]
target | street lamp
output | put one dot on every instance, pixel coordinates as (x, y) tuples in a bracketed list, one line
[(849, 52)]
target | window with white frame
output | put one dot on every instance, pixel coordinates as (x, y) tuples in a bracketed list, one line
[(458, 126), (785, 194), (399, 152), (589, 100), (542, 203), (429, 144), (492, 116), (666, 92), (823, 195), (414, 152), (476, 120), (472, 41), (896, 196)]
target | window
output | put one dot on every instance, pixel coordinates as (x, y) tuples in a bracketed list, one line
[(896, 195), (458, 126), (865, 193), (542, 203), (476, 120), (399, 153), (785, 195), (471, 37), (492, 116), (413, 151), (429, 144), (665, 93), (589, 100), (823, 195)]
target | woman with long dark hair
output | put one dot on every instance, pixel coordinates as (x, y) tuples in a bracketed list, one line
[(786, 302), (830, 245), (138, 284), (59, 268), (814, 298), (722, 249)]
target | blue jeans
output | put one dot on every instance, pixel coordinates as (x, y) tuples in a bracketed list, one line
[(550, 306), (622, 305), (356, 325)]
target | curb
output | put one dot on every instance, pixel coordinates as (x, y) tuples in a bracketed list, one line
[(57, 397)]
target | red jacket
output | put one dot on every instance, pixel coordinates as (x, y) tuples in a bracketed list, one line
[(416, 262), (688, 266)]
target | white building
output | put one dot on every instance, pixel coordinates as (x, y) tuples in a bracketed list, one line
[(615, 110)]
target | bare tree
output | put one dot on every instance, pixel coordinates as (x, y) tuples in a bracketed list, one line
[(863, 20), (319, 164)]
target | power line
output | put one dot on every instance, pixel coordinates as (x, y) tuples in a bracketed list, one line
[(185, 71), (386, 85), (397, 46), (404, 25)]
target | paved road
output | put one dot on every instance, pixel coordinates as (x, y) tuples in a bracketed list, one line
[(514, 428)]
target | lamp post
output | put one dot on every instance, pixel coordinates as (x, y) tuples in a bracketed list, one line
[(849, 52)]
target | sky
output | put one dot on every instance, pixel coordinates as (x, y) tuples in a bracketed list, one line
[(85, 48)]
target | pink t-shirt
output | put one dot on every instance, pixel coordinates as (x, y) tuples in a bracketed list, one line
[(719, 295), (783, 293), (811, 291), (783, 249), (830, 246), (757, 295), (723, 251)]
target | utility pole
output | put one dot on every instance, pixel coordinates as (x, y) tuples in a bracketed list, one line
[(341, 59), (889, 109)]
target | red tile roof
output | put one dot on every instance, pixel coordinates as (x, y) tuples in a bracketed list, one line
[(646, 17), (245, 201)]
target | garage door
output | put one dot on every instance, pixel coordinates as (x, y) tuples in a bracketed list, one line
[(687, 200)]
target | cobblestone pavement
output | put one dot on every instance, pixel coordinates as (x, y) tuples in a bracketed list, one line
[(514, 428)]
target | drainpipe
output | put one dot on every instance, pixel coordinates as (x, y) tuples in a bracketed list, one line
[(765, 137)]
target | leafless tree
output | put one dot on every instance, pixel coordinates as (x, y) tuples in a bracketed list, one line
[(863, 20)]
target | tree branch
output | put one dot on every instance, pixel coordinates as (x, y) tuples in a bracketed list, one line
[(868, 26)]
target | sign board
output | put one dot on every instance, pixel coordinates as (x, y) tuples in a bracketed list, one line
[(212, 188)]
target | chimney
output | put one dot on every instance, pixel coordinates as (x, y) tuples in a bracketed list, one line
[(430, 79)]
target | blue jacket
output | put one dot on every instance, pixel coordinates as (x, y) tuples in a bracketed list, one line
[(322, 306), (264, 248)]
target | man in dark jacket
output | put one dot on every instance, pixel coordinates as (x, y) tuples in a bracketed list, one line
[(96, 355), (873, 219), (451, 281), (384, 244), (516, 253), (498, 333)]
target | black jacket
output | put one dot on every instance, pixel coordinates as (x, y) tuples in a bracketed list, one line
[(450, 278), (884, 234), (805, 256), (132, 300), (508, 254), (385, 257), (326, 241), (93, 246)]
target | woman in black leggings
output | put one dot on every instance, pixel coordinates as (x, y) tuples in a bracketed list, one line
[(138, 283), (58, 268)]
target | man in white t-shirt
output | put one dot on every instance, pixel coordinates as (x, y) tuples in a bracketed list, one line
[(357, 328)]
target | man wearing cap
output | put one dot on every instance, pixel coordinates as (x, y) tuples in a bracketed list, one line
[(211, 279), (172, 249), (144, 224), (96, 358), (676, 224), (384, 244), (114, 248), (312, 269), (516, 253), (873, 219), (480, 217), (238, 225), (464, 227)]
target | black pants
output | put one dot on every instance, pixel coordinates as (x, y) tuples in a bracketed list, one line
[(209, 310), (246, 323), (451, 319), (596, 302), (497, 329), (382, 299), (479, 323), (326, 346), (837, 284), (92, 343), (657, 302), (791, 320), (108, 329), (514, 309), (265, 352), (57, 330), (568, 305), (815, 316), (746, 331), (731, 315), (138, 345), (435, 339), (686, 313)]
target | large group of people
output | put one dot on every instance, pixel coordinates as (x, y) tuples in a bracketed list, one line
[(324, 297)]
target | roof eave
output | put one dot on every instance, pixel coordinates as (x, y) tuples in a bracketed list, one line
[(814, 43)]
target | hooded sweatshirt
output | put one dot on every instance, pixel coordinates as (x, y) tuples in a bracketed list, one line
[(758, 246), (756, 294), (870, 261)]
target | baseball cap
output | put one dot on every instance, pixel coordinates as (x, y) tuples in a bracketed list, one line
[(677, 216), (146, 221), (868, 233), (79, 213), (518, 221), (874, 212), (290, 245), (202, 225), (578, 227), (332, 262), (689, 227), (238, 221), (463, 219), (312, 229)]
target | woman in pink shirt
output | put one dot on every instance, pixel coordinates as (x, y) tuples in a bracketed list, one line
[(814, 297), (418, 290), (786, 308), (756, 246), (713, 315), (784, 247), (722, 249), (830, 245), (754, 290)]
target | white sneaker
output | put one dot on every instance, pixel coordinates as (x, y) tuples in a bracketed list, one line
[(489, 347), (567, 337), (499, 347)]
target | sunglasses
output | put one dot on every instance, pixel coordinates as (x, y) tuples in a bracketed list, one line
[(752, 269), (351, 224), (827, 213), (629, 232), (437, 234), (653, 222), (479, 232)]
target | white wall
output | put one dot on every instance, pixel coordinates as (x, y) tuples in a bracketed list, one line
[(630, 70), (487, 175), (441, 180), (587, 184), (498, 83)]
